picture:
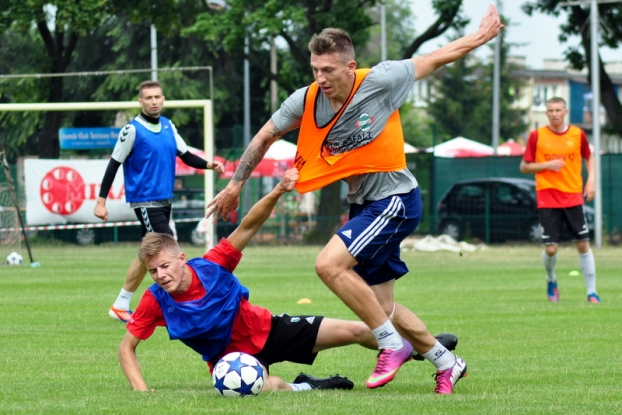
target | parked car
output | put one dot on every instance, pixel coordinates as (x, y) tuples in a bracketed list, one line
[(502, 208), (188, 209)]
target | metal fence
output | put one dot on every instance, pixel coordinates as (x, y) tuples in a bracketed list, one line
[(444, 172), (435, 176)]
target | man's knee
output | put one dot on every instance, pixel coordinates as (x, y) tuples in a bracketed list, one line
[(550, 249), (333, 259), (583, 247), (324, 266)]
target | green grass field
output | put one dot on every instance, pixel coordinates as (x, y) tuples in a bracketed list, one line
[(525, 355)]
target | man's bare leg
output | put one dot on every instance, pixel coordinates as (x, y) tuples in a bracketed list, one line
[(334, 266)]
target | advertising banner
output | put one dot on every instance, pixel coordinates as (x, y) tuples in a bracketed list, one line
[(88, 138), (65, 191)]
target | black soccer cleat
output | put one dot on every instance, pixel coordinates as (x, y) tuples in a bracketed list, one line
[(448, 340), (331, 382)]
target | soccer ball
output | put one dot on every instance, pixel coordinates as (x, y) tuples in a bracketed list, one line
[(14, 259), (237, 375)]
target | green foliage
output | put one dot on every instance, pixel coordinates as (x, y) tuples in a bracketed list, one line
[(460, 101), (20, 53), (115, 35), (608, 13), (609, 34), (293, 21), (416, 125), (113, 43), (59, 24), (524, 354), (399, 33)]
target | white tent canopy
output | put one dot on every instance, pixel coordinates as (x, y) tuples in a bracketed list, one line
[(281, 150), (284, 150), (461, 147), (408, 149)]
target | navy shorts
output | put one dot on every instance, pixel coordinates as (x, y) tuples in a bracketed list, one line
[(291, 339), (552, 223), (374, 233), (154, 219)]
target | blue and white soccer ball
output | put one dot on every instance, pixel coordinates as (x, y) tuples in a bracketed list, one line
[(237, 375), (14, 259)]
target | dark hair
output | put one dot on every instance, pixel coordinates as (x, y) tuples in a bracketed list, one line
[(148, 85), (331, 40)]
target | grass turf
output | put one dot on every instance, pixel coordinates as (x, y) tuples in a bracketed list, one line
[(525, 355)]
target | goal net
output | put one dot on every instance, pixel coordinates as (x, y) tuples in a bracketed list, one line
[(10, 230)]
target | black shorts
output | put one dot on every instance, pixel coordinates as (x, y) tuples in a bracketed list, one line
[(291, 339), (552, 222), (154, 219)]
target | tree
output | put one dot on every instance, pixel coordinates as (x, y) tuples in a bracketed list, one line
[(399, 31), (292, 22), (122, 42), (449, 17), (457, 100), (60, 24), (578, 23)]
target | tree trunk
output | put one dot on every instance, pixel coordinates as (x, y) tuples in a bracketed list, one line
[(610, 100), (60, 56), (48, 146)]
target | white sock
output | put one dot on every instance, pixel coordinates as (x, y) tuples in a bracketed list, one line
[(388, 337), (123, 300), (549, 266), (440, 357), (588, 267), (299, 387)]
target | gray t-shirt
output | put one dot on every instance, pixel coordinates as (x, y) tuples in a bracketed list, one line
[(382, 92)]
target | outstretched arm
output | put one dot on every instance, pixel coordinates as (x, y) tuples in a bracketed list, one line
[(129, 362), (197, 162), (489, 27), (229, 199), (260, 211)]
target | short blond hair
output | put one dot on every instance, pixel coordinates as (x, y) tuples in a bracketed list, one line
[(332, 40), (153, 243), (556, 100)]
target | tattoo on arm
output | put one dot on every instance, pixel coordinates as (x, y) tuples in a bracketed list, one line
[(275, 132), (250, 159)]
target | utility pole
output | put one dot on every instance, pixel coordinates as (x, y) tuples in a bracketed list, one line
[(496, 81), (595, 81)]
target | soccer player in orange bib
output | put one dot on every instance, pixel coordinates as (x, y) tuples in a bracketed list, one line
[(350, 130), (554, 154)]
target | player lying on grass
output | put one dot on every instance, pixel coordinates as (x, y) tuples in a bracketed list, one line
[(203, 304)]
